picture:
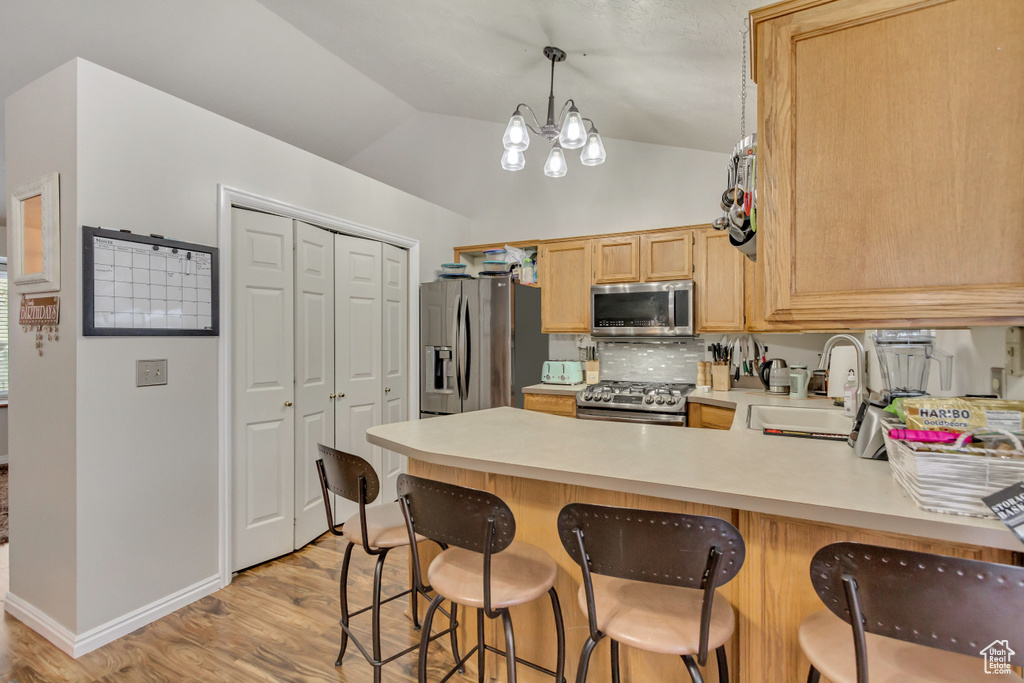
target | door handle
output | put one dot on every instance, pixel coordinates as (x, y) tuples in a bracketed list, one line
[(341, 395), (464, 351), (387, 390), (331, 396), (457, 345), (287, 404)]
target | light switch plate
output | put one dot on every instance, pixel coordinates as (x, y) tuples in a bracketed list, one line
[(1015, 351), (150, 373), (998, 382)]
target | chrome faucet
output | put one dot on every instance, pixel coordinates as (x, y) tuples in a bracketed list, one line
[(826, 356)]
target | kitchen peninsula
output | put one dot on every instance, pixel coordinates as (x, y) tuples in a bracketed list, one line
[(787, 496)]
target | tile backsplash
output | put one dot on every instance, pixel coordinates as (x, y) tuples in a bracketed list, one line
[(651, 362)]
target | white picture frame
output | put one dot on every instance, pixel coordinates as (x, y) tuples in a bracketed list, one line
[(47, 277)]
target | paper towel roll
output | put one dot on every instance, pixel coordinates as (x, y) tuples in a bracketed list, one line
[(843, 359)]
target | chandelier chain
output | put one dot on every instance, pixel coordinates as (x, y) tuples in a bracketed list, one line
[(743, 82)]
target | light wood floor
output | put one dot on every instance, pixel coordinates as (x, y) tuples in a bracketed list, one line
[(275, 622)]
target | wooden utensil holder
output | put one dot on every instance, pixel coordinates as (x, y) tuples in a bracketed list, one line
[(720, 379)]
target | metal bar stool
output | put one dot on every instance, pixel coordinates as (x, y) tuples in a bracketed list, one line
[(915, 617), (485, 569), (649, 581), (377, 529)]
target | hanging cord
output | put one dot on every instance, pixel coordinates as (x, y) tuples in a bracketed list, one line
[(743, 81)]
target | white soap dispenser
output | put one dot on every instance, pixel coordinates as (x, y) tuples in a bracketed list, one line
[(850, 395)]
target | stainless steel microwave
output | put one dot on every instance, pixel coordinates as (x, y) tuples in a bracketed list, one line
[(642, 310)]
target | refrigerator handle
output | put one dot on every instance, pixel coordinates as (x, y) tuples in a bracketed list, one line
[(466, 349), (456, 344)]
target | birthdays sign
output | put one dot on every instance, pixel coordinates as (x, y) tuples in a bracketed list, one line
[(40, 310)]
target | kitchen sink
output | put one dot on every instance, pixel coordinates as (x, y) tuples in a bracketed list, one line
[(801, 419)]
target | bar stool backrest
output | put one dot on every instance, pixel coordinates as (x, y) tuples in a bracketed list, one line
[(456, 515), (943, 602), (658, 547), (341, 473)]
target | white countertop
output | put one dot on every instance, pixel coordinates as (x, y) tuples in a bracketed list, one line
[(739, 468), (556, 389)]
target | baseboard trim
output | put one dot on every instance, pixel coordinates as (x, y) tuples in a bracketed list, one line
[(5, 459), (94, 638)]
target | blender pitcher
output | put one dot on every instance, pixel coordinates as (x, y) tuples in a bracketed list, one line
[(904, 358)]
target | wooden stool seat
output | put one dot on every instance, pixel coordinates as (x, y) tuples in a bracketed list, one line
[(520, 573), (385, 527), (825, 640), (656, 617)]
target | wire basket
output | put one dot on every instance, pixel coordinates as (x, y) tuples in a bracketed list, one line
[(953, 478)]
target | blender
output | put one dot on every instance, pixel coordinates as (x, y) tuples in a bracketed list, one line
[(904, 360)]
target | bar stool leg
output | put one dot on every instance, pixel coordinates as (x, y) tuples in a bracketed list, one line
[(813, 676), (615, 661), (378, 574), (510, 646), (588, 649), (428, 618), (556, 607), (692, 667), (723, 664), (455, 635), (481, 650), (343, 589)]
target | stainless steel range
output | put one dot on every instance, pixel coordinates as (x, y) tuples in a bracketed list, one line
[(650, 402)]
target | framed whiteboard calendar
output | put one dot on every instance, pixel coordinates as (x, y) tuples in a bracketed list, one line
[(136, 285)]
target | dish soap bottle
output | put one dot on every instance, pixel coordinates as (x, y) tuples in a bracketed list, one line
[(850, 395)]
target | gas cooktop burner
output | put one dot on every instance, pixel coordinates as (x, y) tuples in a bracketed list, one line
[(654, 397)]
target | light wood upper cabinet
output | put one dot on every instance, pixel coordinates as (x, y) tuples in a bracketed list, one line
[(666, 256), (889, 164), (719, 283), (564, 272), (616, 259)]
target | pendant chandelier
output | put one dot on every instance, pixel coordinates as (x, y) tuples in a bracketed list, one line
[(570, 133)]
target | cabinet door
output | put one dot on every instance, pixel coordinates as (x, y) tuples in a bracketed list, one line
[(666, 256), (551, 403), (889, 153), (719, 283), (564, 271), (616, 259)]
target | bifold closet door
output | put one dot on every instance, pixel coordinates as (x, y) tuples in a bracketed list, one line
[(395, 358), (314, 376), (357, 314), (263, 366)]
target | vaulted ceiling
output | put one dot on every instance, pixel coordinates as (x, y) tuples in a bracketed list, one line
[(334, 76)]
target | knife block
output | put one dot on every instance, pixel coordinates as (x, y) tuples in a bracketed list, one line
[(720, 379)]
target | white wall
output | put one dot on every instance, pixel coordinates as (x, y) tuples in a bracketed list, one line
[(147, 458), (640, 187), (42, 138)]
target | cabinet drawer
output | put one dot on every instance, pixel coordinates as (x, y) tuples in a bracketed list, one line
[(709, 417), (551, 403)]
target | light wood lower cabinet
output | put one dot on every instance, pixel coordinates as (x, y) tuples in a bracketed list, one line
[(551, 403), (703, 416), (771, 594), (666, 256), (616, 259), (889, 164), (719, 283), (564, 271)]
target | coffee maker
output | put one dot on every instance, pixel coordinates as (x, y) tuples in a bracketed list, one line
[(904, 361)]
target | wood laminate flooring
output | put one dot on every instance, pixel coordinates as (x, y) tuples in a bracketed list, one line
[(275, 622)]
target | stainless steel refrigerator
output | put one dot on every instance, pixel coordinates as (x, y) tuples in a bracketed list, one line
[(481, 344)]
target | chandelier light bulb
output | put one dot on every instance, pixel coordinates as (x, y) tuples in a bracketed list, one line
[(593, 152), (513, 160), (555, 166), (517, 137), (574, 133)]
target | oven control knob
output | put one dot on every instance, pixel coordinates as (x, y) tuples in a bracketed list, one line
[(671, 400), (606, 397), (648, 399), (659, 400)]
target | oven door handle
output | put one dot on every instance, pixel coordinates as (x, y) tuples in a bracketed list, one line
[(647, 418)]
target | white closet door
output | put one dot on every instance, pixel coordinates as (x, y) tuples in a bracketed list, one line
[(357, 277), (263, 366), (314, 373), (396, 358)]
